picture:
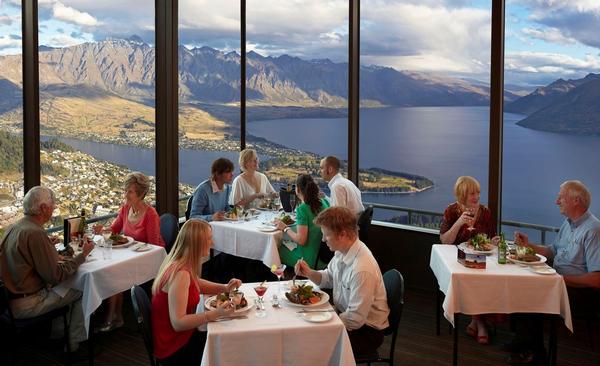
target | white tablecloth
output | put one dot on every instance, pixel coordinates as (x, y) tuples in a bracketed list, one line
[(280, 338), (500, 288), (243, 239), (99, 279)]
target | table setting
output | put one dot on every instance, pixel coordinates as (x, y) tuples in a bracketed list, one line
[(273, 330)]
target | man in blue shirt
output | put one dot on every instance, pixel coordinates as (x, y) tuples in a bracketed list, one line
[(576, 256), (210, 200)]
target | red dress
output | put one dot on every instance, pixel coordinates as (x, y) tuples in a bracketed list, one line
[(166, 340), (147, 230), (484, 223)]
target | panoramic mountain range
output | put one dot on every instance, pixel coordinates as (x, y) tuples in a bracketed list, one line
[(124, 69)]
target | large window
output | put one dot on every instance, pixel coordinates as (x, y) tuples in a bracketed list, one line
[(552, 118), (209, 88), (11, 114), (297, 84), (424, 103), (96, 100)]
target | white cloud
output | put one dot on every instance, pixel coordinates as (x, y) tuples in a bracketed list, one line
[(7, 41), (421, 38), (5, 19), (554, 63), (552, 35), (64, 40), (71, 15)]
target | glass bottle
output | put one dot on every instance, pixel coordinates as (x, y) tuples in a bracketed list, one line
[(502, 250), (82, 224)]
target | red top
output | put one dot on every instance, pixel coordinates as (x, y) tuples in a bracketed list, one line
[(166, 340), (484, 224), (147, 230)]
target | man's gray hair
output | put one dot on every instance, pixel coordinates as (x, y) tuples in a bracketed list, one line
[(35, 198), (576, 189)]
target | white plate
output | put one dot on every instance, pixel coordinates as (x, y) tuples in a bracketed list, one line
[(545, 270), (240, 310), (267, 228), (463, 246), (324, 300), (140, 247), (317, 317), (129, 242), (541, 260)]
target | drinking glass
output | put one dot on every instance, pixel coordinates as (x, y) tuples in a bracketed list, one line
[(293, 202), (107, 249), (471, 226), (239, 210), (260, 291), (278, 270)]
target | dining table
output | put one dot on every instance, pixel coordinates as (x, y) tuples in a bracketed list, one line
[(288, 334), (255, 237), (98, 278), (499, 288)]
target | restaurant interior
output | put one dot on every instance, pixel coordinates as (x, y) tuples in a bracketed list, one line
[(166, 118)]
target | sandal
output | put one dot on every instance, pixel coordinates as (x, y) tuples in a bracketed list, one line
[(109, 326), (483, 339)]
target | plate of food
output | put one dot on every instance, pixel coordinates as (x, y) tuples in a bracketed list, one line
[(317, 316), (241, 304), (304, 296), (526, 256), (479, 244), (121, 241)]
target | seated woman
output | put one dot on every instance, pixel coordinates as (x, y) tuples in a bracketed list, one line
[(462, 220), (175, 295), (251, 184), (307, 235), (138, 220)]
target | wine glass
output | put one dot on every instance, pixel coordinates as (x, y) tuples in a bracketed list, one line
[(471, 214), (260, 291), (277, 270), (239, 210), (106, 234), (293, 202)]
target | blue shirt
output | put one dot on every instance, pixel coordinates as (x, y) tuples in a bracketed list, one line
[(577, 246), (208, 199)]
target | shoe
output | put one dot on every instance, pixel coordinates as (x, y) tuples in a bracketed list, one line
[(472, 331), (483, 339), (109, 326), (527, 358)]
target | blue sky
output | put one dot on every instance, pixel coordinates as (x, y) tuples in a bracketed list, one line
[(545, 39)]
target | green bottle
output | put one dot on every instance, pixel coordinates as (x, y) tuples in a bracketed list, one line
[(502, 250), (82, 224)]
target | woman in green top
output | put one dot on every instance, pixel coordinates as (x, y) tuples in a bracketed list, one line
[(307, 235)]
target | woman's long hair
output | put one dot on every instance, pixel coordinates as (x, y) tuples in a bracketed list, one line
[(310, 191), (186, 254)]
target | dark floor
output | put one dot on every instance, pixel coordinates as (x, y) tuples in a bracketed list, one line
[(417, 343)]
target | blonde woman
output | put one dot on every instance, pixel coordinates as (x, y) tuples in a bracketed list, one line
[(464, 219), (175, 295), (251, 184)]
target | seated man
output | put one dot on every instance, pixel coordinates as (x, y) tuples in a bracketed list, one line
[(210, 198), (575, 254), (30, 265), (353, 273), (343, 192)]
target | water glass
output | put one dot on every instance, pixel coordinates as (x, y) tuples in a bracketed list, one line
[(107, 249)]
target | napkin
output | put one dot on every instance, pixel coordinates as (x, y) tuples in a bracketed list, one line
[(289, 244)]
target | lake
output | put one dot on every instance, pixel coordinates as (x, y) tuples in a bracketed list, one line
[(440, 143)]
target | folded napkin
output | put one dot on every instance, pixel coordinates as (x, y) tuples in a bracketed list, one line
[(289, 244)]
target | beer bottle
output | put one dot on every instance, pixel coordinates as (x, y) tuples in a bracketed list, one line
[(502, 250)]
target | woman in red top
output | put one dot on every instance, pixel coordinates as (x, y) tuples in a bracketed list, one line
[(462, 220), (175, 296), (138, 220)]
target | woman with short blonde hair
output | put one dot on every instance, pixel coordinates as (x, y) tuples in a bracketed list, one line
[(462, 220), (251, 184), (176, 293)]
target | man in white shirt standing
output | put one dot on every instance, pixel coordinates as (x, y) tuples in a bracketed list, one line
[(354, 275), (343, 192)]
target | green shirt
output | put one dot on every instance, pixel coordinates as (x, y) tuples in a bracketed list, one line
[(310, 250)]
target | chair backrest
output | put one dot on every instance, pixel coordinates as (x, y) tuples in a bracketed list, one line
[(6, 315), (325, 254), (394, 288), (169, 227), (142, 310), (364, 222), (188, 208)]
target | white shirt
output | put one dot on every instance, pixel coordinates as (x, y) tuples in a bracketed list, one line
[(344, 193), (358, 290), (241, 189)]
